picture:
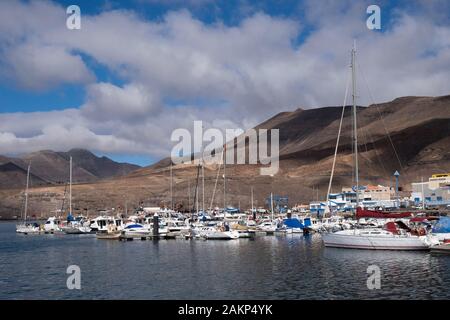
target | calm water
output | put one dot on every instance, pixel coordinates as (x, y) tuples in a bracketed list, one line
[(272, 267)]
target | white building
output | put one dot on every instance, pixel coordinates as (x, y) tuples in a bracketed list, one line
[(434, 192)]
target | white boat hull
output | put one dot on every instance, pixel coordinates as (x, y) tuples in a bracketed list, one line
[(27, 229), (216, 234), (383, 242)]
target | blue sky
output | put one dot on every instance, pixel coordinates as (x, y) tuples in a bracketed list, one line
[(256, 77)]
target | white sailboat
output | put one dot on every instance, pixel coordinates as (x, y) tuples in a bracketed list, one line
[(25, 227), (373, 238), (76, 226)]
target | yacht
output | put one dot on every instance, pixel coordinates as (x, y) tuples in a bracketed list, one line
[(215, 232), (26, 227), (378, 239), (136, 230), (268, 226), (52, 225), (101, 223)]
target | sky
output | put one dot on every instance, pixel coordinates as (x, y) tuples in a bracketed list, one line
[(138, 69)]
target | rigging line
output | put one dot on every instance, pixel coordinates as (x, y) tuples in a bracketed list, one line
[(381, 118), (377, 155), (215, 184), (338, 137)]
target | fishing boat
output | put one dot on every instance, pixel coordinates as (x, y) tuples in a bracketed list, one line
[(111, 233), (100, 224), (389, 238), (24, 227)]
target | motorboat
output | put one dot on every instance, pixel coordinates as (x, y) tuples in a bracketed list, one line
[(215, 233), (28, 228), (136, 230), (101, 223), (76, 226), (243, 229), (110, 233), (52, 225), (267, 226)]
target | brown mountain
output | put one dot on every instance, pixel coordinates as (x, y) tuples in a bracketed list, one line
[(409, 134), (49, 167)]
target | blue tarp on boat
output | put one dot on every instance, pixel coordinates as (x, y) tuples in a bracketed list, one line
[(307, 222), (442, 226), (293, 223)]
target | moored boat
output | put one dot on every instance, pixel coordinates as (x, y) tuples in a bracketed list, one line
[(377, 239)]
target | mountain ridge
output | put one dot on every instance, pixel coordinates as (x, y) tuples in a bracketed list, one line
[(409, 134), (52, 167)]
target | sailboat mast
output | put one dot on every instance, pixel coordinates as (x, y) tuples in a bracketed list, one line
[(171, 186), (355, 128), (253, 209), (70, 188), (189, 194), (203, 185), (224, 179), (26, 193), (271, 203), (423, 195)]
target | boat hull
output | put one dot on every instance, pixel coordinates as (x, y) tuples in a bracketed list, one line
[(373, 243), (109, 236)]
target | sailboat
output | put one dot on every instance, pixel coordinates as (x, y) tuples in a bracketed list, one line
[(25, 227), (74, 226), (395, 235)]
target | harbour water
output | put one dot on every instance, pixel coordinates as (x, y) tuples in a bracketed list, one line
[(269, 267)]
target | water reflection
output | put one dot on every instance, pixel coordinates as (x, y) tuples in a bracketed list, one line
[(272, 267)]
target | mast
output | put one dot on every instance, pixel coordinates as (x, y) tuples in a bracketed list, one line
[(26, 193), (189, 194), (423, 195), (253, 209), (203, 185), (355, 127), (224, 180), (271, 203), (171, 190), (70, 188)]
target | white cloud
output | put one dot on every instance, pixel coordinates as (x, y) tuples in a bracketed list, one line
[(224, 75), (40, 67), (109, 102)]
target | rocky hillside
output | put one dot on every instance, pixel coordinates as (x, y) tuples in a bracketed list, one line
[(50, 167), (409, 134)]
